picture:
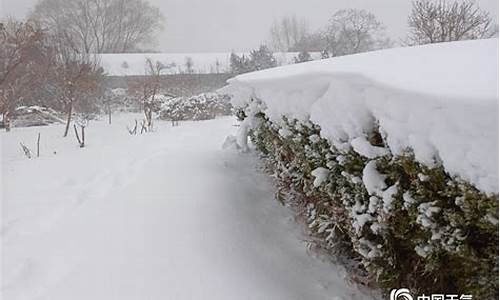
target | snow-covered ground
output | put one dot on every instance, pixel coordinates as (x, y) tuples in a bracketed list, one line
[(440, 101), (128, 64), (164, 215)]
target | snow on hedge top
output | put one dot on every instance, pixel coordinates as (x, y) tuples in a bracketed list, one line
[(129, 64), (461, 69), (440, 101)]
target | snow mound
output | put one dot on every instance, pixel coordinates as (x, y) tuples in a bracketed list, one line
[(27, 116), (163, 215), (440, 101)]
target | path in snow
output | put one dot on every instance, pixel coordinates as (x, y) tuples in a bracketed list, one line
[(165, 215)]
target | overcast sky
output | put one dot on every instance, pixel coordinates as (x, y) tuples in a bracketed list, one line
[(240, 25)]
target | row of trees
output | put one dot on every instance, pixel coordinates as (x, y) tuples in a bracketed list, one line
[(51, 59), (38, 67), (101, 26), (258, 59), (21, 45), (348, 31), (352, 31)]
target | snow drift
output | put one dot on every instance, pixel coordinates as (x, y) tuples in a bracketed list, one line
[(439, 101), (163, 215)]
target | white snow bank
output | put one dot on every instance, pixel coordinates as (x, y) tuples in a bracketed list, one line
[(163, 215), (130, 64), (441, 101)]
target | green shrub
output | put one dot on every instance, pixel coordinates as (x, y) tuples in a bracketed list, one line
[(427, 231)]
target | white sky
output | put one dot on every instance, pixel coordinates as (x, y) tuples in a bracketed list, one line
[(240, 25)]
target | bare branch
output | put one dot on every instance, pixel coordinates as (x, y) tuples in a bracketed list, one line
[(101, 26), (437, 22)]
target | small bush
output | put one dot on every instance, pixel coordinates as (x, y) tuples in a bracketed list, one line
[(202, 107)]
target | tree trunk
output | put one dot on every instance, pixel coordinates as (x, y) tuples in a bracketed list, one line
[(81, 141), (68, 121), (150, 117), (38, 146), (148, 113), (83, 136), (109, 113), (6, 121)]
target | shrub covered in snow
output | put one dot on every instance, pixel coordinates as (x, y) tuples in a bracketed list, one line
[(201, 107), (26, 116), (404, 223), (390, 165)]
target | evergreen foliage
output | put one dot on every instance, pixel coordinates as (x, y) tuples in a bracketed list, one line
[(303, 56), (259, 59), (240, 65), (427, 231), (262, 58)]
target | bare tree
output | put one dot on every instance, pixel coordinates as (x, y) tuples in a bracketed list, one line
[(287, 33), (436, 22), (189, 65), (353, 31), (312, 42), (81, 141), (148, 88), (22, 59), (82, 121), (107, 100), (100, 26), (75, 76)]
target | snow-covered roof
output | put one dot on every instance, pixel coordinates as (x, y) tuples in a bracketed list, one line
[(439, 100), (128, 64)]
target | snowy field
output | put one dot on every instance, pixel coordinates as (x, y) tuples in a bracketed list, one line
[(439, 101), (164, 215)]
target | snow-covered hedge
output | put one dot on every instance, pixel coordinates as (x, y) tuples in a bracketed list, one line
[(201, 107), (391, 157)]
